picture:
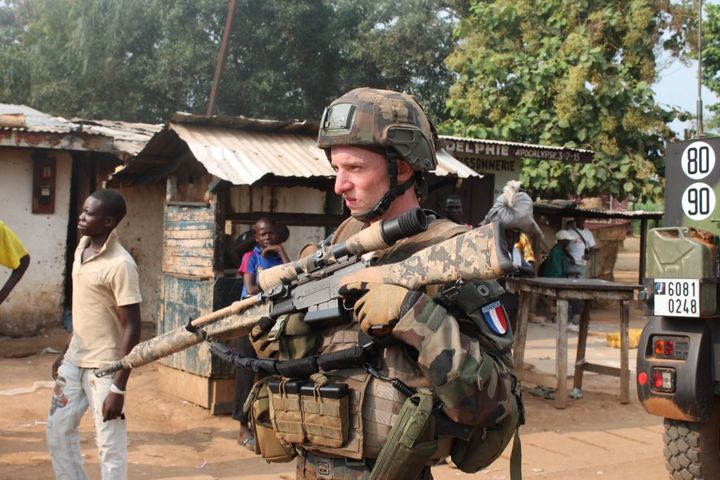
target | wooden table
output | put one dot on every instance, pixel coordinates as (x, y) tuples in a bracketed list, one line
[(562, 290)]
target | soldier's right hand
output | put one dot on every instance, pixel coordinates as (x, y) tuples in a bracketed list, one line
[(381, 305)]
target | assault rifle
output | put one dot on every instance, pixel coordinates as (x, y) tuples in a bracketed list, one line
[(311, 284)]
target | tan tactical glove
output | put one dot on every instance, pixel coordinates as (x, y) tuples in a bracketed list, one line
[(379, 306)]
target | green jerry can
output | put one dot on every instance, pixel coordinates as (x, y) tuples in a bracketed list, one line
[(682, 262)]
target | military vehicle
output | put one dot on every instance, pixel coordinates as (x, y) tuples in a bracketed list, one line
[(678, 365)]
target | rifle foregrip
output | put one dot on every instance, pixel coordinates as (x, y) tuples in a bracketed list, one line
[(475, 255)]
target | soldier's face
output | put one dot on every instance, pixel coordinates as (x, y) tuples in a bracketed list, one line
[(362, 176)]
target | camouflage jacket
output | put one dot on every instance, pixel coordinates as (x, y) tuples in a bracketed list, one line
[(447, 352)]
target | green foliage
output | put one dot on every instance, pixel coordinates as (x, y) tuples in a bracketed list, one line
[(711, 59), (647, 207), (15, 72), (144, 59), (575, 73)]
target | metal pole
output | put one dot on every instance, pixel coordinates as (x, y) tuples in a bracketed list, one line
[(221, 56), (643, 251), (699, 106)]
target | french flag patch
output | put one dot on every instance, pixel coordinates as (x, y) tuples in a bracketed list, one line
[(496, 318)]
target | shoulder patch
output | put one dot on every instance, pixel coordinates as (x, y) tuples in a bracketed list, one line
[(495, 317)]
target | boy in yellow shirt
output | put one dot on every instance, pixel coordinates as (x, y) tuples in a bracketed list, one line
[(14, 256)]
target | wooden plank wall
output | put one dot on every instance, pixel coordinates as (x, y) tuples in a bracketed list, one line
[(189, 240), (184, 299)]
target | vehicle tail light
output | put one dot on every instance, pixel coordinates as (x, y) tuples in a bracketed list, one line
[(663, 380), (671, 347), (663, 348)]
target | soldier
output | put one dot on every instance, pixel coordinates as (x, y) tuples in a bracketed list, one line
[(440, 343)]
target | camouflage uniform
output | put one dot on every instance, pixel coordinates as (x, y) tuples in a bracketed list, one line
[(448, 361), (437, 345)]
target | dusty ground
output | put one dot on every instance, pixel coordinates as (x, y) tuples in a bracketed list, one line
[(172, 439)]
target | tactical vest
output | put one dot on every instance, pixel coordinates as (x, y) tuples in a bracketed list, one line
[(371, 406)]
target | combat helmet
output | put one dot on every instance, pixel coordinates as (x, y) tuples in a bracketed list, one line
[(382, 119)]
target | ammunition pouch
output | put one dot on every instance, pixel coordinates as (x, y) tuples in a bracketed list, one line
[(303, 411), (326, 414), (267, 444), (411, 442), (285, 411)]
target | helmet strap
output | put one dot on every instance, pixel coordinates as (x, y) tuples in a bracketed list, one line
[(393, 192)]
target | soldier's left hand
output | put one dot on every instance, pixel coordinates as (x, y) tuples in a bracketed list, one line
[(379, 306)]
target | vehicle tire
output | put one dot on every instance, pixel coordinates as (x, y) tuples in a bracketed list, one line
[(692, 450)]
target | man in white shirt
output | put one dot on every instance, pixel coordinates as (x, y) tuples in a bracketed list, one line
[(581, 248)]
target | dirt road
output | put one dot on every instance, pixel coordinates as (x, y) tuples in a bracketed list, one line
[(595, 437)]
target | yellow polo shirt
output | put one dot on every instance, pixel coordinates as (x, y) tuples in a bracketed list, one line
[(101, 284), (11, 249)]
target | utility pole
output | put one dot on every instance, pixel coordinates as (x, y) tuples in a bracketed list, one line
[(221, 56), (699, 103)]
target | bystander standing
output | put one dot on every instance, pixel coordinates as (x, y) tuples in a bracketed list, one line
[(14, 256), (106, 326)]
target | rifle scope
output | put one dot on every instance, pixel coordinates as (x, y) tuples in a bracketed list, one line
[(383, 234), (377, 236)]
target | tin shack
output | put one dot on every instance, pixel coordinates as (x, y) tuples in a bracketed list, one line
[(49, 165)]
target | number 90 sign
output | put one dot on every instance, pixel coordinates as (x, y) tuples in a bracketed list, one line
[(698, 201)]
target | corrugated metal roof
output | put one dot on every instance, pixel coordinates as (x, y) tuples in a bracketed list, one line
[(28, 127), (22, 117), (243, 156), (449, 165), (128, 137)]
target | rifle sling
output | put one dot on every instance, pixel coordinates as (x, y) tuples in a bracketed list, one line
[(353, 357)]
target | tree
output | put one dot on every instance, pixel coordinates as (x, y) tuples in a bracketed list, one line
[(144, 59), (575, 73), (711, 59), (15, 72)]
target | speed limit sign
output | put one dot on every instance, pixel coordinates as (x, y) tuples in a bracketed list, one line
[(698, 160), (698, 201), (692, 183)]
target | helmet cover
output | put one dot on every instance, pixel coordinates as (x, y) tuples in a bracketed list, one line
[(367, 117)]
